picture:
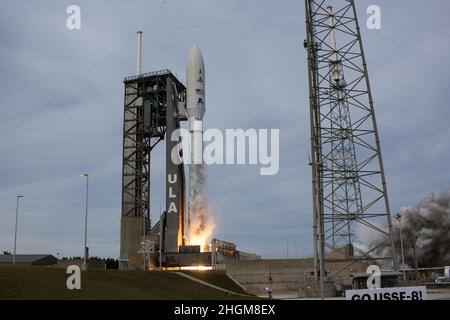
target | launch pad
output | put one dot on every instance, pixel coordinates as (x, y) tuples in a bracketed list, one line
[(190, 257)]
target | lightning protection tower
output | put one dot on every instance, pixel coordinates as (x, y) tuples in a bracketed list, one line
[(349, 186)]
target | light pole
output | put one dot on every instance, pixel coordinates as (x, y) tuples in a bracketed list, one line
[(144, 248), (160, 236), (398, 216), (84, 265), (416, 265), (15, 232), (287, 247)]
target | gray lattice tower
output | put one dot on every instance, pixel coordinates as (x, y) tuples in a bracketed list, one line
[(150, 111), (349, 186)]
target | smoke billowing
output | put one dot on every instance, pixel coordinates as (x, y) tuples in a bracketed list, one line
[(201, 219), (426, 226)]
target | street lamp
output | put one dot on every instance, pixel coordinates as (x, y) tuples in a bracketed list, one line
[(84, 265), (398, 216), (287, 247), (15, 232)]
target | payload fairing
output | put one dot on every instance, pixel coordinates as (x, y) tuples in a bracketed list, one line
[(195, 102)]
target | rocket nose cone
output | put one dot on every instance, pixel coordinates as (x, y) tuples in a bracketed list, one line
[(195, 66), (196, 54), (195, 84)]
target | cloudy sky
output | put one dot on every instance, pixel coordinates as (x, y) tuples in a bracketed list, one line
[(61, 99)]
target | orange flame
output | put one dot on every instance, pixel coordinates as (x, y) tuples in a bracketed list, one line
[(201, 231)]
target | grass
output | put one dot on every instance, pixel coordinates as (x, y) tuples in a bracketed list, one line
[(21, 282), (218, 279)]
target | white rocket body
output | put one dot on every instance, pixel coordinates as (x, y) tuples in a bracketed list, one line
[(195, 102)]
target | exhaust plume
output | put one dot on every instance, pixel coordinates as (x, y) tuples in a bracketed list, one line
[(426, 226), (201, 219)]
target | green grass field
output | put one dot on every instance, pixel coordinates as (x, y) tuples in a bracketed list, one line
[(50, 283), (217, 279)]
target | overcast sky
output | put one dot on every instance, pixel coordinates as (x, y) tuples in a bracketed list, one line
[(61, 98)]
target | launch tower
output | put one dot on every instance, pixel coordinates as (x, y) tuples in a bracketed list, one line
[(153, 110), (348, 180)]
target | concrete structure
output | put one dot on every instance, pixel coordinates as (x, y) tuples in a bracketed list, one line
[(288, 277), (131, 235), (388, 279), (29, 259), (248, 256), (186, 259)]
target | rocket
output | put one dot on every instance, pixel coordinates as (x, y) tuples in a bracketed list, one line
[(195, 102)]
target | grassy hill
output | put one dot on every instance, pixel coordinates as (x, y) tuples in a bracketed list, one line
[(21, 282), (219, 279)]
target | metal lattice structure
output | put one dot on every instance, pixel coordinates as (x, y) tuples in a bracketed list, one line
[(145, 125), (349, 185), (142, 133)]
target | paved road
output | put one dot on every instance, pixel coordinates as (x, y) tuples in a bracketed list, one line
[(439, 294)]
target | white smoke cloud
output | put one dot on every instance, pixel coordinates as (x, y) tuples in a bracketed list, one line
[(426, 226)]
